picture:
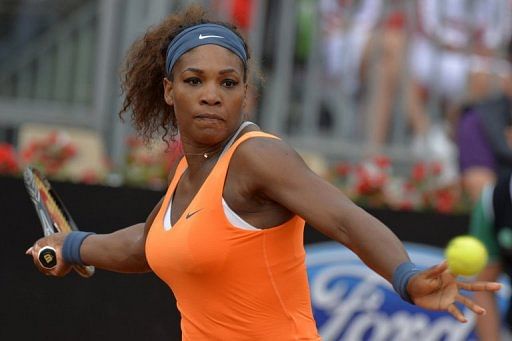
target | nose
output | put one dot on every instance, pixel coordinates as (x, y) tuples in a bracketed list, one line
[(210, 94)]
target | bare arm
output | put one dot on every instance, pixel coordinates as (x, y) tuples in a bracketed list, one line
[(120, 251), (275, 171)]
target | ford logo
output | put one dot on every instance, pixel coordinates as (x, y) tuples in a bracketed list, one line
[(351, 302)]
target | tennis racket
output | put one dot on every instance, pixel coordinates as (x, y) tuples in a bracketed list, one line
[(53, 215)]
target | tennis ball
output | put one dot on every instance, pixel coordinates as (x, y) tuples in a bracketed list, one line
[(466, 255)]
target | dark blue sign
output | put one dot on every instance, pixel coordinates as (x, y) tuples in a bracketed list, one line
[(351, 302)]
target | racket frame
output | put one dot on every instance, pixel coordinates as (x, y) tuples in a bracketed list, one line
[(30, 176)]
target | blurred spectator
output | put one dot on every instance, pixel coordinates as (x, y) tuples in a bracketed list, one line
[(364, 41), (491, 222), (484, 138), (239, 12), (454, 57), (485, 145)]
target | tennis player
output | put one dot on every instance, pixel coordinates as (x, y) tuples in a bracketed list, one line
[(227, 237)]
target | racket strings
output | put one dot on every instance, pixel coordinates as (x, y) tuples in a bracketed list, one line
[(51, 206)]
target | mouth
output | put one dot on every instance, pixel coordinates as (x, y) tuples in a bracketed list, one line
[(208, 117)]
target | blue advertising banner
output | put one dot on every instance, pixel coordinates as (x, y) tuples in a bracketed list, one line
[(351, 302)]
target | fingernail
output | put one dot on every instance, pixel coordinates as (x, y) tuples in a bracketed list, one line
[(29, 251)]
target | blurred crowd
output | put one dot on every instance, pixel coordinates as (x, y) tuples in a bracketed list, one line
[(446, 65), (430, 76)]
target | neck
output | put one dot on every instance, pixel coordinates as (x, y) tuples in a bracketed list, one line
[(205, 155), (213, 151)]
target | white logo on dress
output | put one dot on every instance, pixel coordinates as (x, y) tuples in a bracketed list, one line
[(210, 36)]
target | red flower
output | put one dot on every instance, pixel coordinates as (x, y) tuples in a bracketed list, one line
[(343, 168), (445, 201), (363, 186), (406, 205), (409, 186), (436, 168), (90, 176), (8, 159), (51, 153), (382, 161), (52, 138), (380, 180), (419, 172)]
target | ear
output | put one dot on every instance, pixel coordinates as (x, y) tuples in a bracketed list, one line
[(168, 92)]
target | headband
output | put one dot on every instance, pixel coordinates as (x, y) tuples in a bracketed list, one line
[(203, 34)]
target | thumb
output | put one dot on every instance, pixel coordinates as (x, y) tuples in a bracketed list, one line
[(29, 251), (437, 270)]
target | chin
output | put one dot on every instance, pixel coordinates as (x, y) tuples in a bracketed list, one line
[(211, 136)]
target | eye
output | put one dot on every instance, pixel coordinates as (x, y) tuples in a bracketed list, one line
[(229, 83), (193, 81)]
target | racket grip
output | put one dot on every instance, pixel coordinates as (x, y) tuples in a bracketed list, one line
[(47, 257)]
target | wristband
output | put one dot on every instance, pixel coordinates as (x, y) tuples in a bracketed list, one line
[(71, 247), (401, 277)]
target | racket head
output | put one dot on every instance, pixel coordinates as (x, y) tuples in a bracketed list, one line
[(50, 209)]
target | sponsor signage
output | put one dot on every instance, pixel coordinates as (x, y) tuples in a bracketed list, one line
[(351, 302)]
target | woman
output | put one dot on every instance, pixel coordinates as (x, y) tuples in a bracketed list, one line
[(227, 236)]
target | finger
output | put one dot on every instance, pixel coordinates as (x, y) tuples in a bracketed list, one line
[(37, 264), (437, 270), (479, 286), (470, 304), (29, 251), (452, 309)]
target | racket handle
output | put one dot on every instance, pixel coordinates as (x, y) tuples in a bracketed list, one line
[(47, 257)]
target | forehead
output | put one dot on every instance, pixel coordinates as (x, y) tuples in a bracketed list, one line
[(209, 57)]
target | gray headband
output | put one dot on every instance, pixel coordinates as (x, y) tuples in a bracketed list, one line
[(203, 34)]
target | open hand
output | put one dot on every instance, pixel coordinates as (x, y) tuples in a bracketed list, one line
[(437, 288)]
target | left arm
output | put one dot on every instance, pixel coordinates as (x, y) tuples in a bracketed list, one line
[(281, 175), (276, 172)]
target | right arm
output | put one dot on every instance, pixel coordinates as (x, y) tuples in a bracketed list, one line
[(122, 250), (119, 251)]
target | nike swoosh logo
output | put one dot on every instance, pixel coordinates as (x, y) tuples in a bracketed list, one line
[(209, 36), (190, 214)]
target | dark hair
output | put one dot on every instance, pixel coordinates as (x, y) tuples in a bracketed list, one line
[(144, 70)]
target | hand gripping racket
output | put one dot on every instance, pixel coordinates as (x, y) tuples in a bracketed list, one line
[(53, 215)]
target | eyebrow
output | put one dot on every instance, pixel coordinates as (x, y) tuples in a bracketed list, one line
[(222, 72)]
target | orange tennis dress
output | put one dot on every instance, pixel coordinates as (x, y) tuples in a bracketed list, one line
[(231, 283)]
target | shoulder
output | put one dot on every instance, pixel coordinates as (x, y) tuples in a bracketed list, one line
[(262, 158), (264, 148)]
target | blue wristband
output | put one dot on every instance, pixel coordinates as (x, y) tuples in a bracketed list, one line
[(71, 247), (401, 277)]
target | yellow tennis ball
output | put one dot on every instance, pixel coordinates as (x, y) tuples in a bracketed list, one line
[(466, 255)]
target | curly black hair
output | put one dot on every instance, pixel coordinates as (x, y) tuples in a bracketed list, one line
[(144, 70)]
